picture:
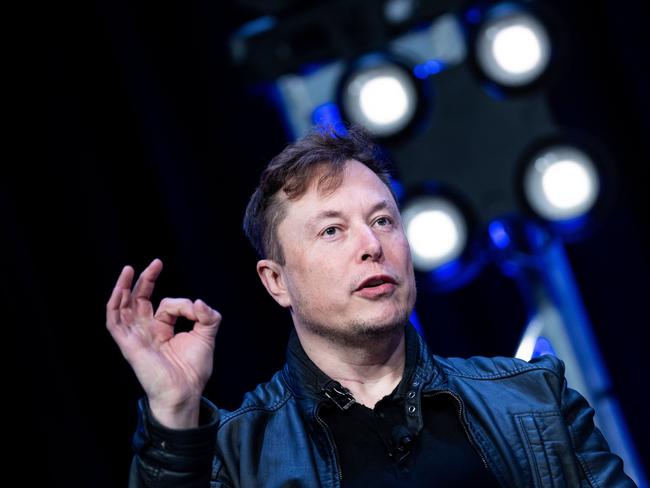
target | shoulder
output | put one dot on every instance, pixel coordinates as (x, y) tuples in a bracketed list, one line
[(503, 382), (489, 368)]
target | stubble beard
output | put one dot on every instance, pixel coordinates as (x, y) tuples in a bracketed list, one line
[(356, 333)]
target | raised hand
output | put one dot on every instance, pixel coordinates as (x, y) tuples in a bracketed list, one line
[(173, 369)]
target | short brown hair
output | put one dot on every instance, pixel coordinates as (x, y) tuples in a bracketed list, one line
[(292, 170)]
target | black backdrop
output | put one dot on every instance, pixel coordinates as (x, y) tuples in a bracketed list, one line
[(154, 148)]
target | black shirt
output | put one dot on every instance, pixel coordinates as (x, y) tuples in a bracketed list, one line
[(376, 449)]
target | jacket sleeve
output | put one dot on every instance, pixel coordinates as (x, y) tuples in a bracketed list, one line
[(173, 458), (600, 466)]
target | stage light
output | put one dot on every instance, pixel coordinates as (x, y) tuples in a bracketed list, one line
[(533, 344), (513, 48), (436, 231), (383, 98), (561, 183), (529, 339)]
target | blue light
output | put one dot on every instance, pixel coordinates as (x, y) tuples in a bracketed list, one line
[(447, 271), (328, 117), (453, 275), (473, 15), (310, 68), (428, 68), (420, 71), (398, 189), (543, 346), (434, 66), (416, 322), (573, 226), (256, 26), (499, 234)]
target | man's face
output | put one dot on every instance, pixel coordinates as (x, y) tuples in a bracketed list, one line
[(332, 244)]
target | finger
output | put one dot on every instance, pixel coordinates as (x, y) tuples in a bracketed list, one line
[(172, 308), (146, 281), (208, 319), (126, 311), (123, 281), (125, 301), (117, 296), (120, 320)]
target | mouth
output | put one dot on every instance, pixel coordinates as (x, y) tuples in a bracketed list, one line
[(376, 286), (376, 281)]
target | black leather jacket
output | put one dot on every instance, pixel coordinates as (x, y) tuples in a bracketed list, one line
[(526, 425)]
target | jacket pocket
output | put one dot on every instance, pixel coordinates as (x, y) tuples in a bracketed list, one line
[(547, 445)]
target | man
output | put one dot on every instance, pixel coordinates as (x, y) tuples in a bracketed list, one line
[(361, 400)]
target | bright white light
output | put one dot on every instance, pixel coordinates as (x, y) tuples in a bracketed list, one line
[(567, 184), (516, 49), (381, 98), (433, 234), (529, 339), (436, 232), (513, 48), (561, 183)]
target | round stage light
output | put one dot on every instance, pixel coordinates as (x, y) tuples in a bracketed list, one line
[(382, 98), (561, 183), (436, 231), (513, 48)]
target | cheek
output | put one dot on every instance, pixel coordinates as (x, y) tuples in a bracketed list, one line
[(326, 278), (401, 248), (317, 277)]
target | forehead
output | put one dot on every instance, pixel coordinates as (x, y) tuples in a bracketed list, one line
[(359, 189)]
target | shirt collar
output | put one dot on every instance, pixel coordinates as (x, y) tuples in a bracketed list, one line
[(307, 380)]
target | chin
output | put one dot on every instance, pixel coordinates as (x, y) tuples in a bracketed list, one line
[(389, 313), (360, 333), (381, 322)]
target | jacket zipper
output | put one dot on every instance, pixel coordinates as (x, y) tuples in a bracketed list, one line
[(460, 411), (332, 443)]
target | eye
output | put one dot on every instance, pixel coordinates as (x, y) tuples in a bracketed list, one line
[(384, 221), (330, 231)]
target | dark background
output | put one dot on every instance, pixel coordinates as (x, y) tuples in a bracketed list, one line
[(155, 146)]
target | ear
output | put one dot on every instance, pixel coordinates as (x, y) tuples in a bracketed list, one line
[(272, 275)]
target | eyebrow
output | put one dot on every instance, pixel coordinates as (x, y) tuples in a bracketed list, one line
[(325, 214)]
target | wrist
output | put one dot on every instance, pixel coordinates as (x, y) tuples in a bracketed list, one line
[(184, 416)]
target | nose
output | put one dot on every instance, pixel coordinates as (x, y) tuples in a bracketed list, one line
[(369, 245)]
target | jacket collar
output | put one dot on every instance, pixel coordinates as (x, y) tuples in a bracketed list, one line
[(308, 382)]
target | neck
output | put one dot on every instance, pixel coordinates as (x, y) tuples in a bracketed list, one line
[(370, 371)]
